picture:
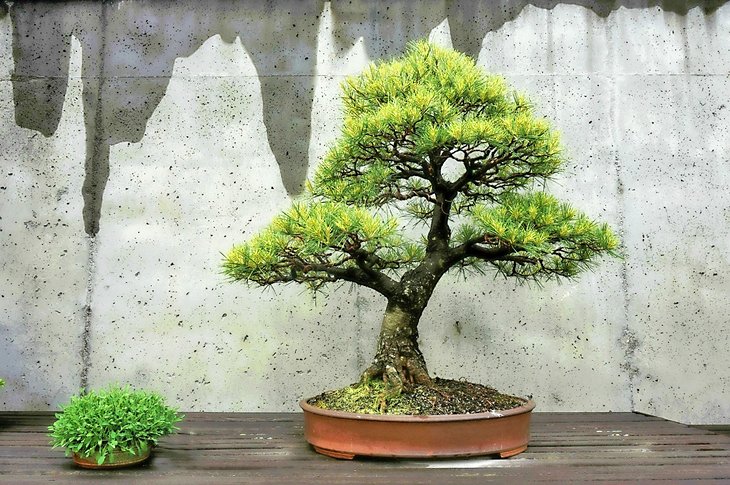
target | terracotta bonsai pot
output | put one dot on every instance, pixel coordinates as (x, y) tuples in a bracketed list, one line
[(117, 459), (344, 435)]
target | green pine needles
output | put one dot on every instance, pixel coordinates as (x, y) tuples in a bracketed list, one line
[(116, 419), (428, 137)]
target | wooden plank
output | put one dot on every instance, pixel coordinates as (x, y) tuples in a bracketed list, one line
[(269, 448)]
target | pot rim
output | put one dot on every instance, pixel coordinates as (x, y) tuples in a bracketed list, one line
[(131, 459), (528, 406)]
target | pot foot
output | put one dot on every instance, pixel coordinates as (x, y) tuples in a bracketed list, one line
[(342, 455), (516, 451)]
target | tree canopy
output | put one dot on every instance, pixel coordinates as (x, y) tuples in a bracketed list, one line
[(431, 138)]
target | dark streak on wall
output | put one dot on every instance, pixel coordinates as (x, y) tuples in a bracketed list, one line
[(129, 51), (469, 20), (97, 150), (41, 54), (128, 57)]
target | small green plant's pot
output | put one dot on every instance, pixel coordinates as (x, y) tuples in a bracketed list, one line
[(117, 459)]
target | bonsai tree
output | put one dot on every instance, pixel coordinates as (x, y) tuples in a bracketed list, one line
[(109, 425), (430, 138)]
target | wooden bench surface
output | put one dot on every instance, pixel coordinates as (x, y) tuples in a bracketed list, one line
[(219, 448)]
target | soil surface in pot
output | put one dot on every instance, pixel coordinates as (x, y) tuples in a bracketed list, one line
[(445, 396)]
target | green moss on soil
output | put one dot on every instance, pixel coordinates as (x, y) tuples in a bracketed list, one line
[(444, 397)]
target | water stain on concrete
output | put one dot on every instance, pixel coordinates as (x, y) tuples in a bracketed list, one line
[(469, 20), (129, 49), (41, 49), (128, 54)]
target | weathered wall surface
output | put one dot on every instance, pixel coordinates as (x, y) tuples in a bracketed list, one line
[(142, 139)]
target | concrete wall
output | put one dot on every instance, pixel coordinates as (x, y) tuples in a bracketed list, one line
[(142, 139)]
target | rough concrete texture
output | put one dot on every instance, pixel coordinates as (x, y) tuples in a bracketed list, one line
[(45, 254), (142, 139)]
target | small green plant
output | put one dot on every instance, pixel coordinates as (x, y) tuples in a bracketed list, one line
[(98, 422)]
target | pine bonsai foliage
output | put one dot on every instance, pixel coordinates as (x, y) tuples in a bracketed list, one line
[(431, 138)]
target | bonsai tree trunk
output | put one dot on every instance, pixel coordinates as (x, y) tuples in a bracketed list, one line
[(398, 360)]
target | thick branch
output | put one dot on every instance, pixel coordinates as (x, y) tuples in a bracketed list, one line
[(382, 283), (474, 249), (369, 278), (295, 268), (439, 233)]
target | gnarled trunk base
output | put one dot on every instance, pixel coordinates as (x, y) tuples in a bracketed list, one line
[(398, 360)]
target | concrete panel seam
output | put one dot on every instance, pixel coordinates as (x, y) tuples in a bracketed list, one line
[(88, 314), (627, 339)]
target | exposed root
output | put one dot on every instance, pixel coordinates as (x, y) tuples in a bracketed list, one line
[(399, 375)]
